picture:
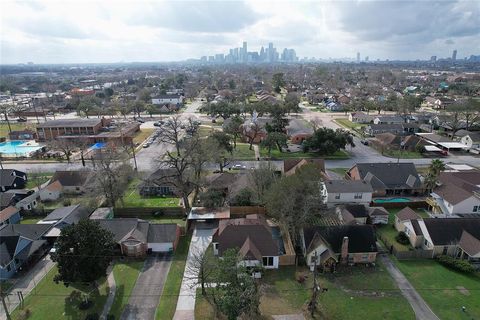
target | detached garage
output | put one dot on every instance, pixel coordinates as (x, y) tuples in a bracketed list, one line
[(163, 237)]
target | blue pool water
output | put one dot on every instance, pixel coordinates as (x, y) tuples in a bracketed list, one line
[(391, 200), (18, 148), (98, 145)]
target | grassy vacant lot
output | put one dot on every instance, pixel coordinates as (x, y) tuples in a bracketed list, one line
[(348, 124), (168, 301), (445, 290), (142, 135), (63, 201), (275, 154), (133, 199), (242, 152), (14, 125), (357, 293), (35, 179), (125, 274), (404, 154), (52, 301)]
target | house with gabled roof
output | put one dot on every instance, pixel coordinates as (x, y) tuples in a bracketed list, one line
[(405, 180), (21, 244), (290, 166), (325, 247), (68, 182), (259, 243), (335, 192), (12, 179)]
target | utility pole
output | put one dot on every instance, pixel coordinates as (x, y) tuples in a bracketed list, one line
[(134, 156), (313, 301)]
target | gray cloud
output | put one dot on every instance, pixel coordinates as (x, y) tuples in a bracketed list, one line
[(405, 21), (196, 16), (449, 41)]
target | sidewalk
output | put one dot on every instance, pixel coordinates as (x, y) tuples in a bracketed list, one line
[(112, 286), (26, 284), (257, 151)]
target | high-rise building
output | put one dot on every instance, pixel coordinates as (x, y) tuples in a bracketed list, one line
[(433, 58), (454, 55), (366, 59), (271, 53), (245, 52), (358, 56)]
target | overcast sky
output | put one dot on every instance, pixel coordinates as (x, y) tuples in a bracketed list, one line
[(65, 31)]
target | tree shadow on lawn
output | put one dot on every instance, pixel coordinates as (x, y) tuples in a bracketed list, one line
[(72, 309)]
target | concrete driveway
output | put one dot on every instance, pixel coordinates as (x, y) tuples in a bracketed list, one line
[(148, 288), (201, 239), (419, 306)]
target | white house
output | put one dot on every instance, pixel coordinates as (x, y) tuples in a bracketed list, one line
[(471, 140), (388, 120), (167, 98), (456, 193), (51, 192), (335, 192), (360, 117)]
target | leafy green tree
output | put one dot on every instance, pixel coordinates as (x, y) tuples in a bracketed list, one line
[(212, 198), (233, 128), (84, 251), (278, 82), (261, 179), (326, 141), (275, 140), (243, 198)]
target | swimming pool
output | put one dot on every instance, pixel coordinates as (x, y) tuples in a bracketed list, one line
[(19, 148), (391, 200)]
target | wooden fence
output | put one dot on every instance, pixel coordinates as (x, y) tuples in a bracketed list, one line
[(237, 212), (148, 211), (400, 205), (404, 254)]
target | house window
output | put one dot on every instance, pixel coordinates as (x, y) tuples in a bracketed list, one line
[(445, 250), (268, 261), (9, 268), (358, 196), (425, 243), (475, 208), (365, 257), (337, 196)]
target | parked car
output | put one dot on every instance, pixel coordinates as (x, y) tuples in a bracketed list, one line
[(146, 145), (22, 119), (157, 124), (140, 120), (365, 142)]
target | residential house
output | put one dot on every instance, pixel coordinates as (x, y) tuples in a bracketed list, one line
[(388, 179), (72, 182), (290, 166), (20, 246), (335, 192), (259, 244), (324, 247), (24, 199), (7, 200), (374, 129), (471, 140), (9, 215), (167, 99), (390, 141), (64, 216), (229, 184), (388, 120), (254, 129), (12, 179), (298, 131), (136, 237), (360, 117), (377, 215), (161, 182), (456, 193), (51, 192), (102, 213), (407, 221)]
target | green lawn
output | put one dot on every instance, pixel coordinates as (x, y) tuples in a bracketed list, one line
[(242, 152), (348, 124), (52, 301), (445, 290), (125, 274), (277, 155), (165, 220), (14, 125), (30, 220), (356, 293), (168, 300), (63, 201), (35, 179), (340, 171), (141, 135), (133, 199), (404, 154)]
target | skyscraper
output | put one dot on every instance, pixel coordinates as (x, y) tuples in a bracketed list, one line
[(271, 53), (454, 55), (358, 56)]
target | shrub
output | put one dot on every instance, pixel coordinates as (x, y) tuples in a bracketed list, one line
[(67, 202), (92, 316), (24, 314), (85, 304), (402, 238), (455, 264)]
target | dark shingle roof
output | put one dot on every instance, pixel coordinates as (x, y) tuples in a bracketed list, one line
[(458, 186), (390, 175), (234, 232), (8, 176), (361, 238), (162, 233), (6, 199), (60, 123), (30, 231), (407, 214), (445, 231), (348, 186), (139, 229), (356, 210), (70, 214), (76, 178)]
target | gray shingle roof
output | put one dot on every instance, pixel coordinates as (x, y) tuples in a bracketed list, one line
[(348, 186), (390, 175)]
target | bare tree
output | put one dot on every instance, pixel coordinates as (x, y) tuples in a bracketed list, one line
[(200, 270), (112, 175), (316, 123), (261, 179), (171, 132), (252, 131), (65, 146)]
